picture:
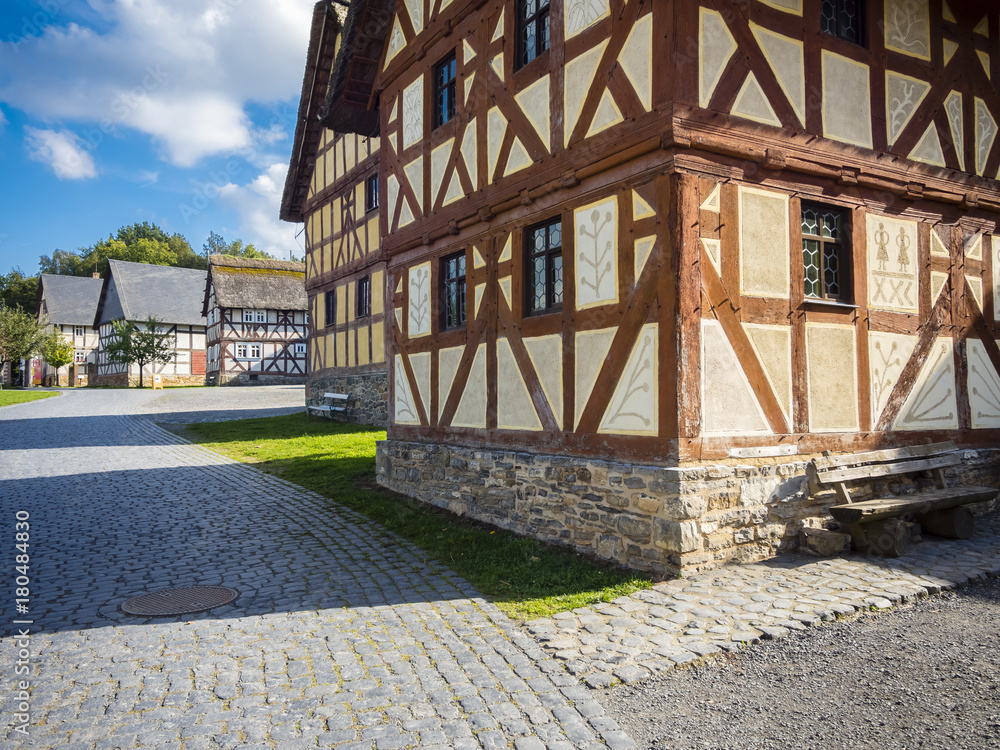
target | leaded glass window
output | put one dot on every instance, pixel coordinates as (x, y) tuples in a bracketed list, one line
[(825, 243), (444, 90), (543, 260), (453, 292), (844, 18), (533, 29)]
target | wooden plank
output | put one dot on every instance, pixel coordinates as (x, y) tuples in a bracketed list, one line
[(870, 471), (924, 502), (882, 456)]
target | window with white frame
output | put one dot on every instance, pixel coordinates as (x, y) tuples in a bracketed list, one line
[(254, 316), (79, 356), (300, 348), (78, 332), (254, 351), (241, 351)]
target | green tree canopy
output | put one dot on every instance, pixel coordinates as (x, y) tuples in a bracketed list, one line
[(134, 345), (20, 334), (55, 349), (217, 245), (18, 290)]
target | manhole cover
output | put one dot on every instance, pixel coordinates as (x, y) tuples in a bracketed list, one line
[(178, 601)]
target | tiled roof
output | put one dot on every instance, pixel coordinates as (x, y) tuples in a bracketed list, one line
[(137, 291)]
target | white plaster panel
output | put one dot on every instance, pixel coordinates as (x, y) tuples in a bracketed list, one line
[(591, 350), (928, 149), (773, 345), (956, 119), (892, 264), (596, 253), (404, 410), (716, 45), (448, 362), (986, 133), (413, 113), (582, 14), (908, 27), (888, 354), (764, 243), (832, 377), (903, 94), (420, 363), (932, 403), (546, 354), (515, 411), (534, 102), (984, 387), (471, 410), (847, 111), (728, 404), (469, 152), (634, 406), (636, 59), (606, 115), (785, 56), (579, 78), (419, 312), (751, 103)]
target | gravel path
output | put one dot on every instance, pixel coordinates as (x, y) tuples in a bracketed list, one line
[(925, 675)]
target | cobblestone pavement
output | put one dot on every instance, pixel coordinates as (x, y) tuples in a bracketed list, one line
[(679, 621), (342, 635)]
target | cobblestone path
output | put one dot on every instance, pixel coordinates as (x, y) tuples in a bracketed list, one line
[(342, 634)]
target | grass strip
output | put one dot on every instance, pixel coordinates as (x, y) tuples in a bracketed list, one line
[(8, 397), (523, 576)]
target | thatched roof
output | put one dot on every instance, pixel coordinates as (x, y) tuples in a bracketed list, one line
[(69, 300), (350, 104), (256, 284), (326, 24), (138, 291)]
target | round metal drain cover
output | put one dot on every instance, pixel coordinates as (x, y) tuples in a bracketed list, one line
[(184, 601)]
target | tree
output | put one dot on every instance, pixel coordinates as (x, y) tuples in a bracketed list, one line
[(132, 345), (216, 245), (55, 350), (18, 290), (20, 334)]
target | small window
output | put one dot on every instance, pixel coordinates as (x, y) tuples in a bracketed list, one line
[(241, 351), (825, 252), (254, 351), (844, 19), (364, 300), (444, 90), (78, 332), (533, 29), (371, 193), (453, 293), (300, 348), (330, 300), (261, 316), (543, 262), (79, 356)]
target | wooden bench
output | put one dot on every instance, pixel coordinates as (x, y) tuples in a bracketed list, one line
[(876, 525), (329, 409)]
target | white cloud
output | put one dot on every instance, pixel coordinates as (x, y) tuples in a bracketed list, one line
[(62, 151), (181, 71), (3, 119), (257, 204)]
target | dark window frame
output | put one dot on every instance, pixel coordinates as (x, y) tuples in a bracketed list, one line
[(330, 308), (454, 302), (371, 192), (842, 251), (550, 253), (445, 90), (363, 297), (538, 23), (840, 12)]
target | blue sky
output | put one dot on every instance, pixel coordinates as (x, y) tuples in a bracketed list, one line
[(178, 112)]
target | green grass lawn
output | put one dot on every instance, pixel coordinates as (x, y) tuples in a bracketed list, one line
[(8, 397), (523, 576)]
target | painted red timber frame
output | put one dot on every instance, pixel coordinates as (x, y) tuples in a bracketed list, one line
[(673, 156)]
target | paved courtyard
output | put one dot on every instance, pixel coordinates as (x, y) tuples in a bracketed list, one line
[(342, 634)]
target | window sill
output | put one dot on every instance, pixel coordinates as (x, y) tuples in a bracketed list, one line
[(829, 303)]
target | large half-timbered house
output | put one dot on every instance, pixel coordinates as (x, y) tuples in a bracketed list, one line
[(68, 304), (648, 258), (257, 318), (135, 292), (333, 188)]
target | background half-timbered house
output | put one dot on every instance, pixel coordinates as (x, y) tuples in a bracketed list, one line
[(333, 188), (648, 258), (69, 304), (257, 318), (175, 297)]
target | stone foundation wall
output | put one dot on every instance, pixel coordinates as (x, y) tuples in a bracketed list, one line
[(368, 401), (121, 379), (664, 520), (243, 378)]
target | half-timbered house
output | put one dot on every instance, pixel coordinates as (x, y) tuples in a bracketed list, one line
[(648, 258), (257, 318), (333, 188), (69, 304), (175, 297)]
